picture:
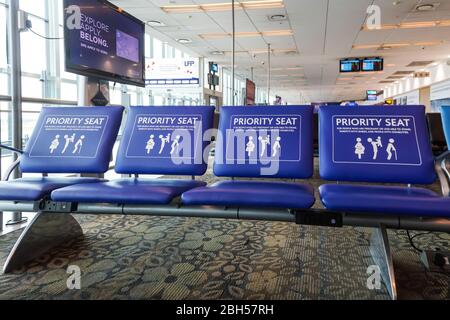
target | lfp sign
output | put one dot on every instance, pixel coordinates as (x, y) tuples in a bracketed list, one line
[(173, 72)]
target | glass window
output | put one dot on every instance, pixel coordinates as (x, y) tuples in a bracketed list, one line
[(6, 134), (34, 51), (29, 120), (115, 93), (147, 46), (32, 87), (159, 100), (3, 47), (157, 49), (4, 85), (69, 91), (4, 119), (34, 7), (62, 59)]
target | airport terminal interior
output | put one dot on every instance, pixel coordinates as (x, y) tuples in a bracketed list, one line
[(224, 150)]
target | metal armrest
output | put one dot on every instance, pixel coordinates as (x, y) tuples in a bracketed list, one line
[(14, 165), (17, 151), (443, 173), (10, 170)]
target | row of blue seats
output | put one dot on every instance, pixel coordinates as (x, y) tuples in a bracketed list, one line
[(364, 144)]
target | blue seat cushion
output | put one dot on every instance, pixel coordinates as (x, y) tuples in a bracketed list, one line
[(33, 189), (387, 200), (252, 194), (127, 191)]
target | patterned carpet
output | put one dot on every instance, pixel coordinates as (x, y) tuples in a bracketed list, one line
[(139, 257)]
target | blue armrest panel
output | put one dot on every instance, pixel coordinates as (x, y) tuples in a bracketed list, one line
[(375, 144), (164, 140), (271, 142), (445, 114), (72, 140)]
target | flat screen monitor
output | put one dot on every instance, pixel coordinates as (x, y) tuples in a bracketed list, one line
[(372, 64), (104, 42), (250, 92), (213, 67), (372, 95), (350, 65)]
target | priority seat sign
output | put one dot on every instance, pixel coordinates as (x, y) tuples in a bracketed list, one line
[(165, 136), (380, 139), (69, 136), (269, 138)]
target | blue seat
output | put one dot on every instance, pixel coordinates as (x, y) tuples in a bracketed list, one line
[(253, 194), (33, 189), (261, 142), (127, 191), (65, 140), (384, 200), (378, 144), (156, 140)]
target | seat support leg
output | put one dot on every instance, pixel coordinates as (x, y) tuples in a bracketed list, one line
[(17, 218), (381, 254), (47, 230)]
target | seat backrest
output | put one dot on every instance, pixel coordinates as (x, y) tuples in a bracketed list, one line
[(269, 141), (165, 140), (445, 114), (375, 144), (435, 129), (72, 140)]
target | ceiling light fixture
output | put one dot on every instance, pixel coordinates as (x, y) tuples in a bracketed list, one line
[(184, 40), (411, 25), (397, 45), (277, 17), (217, 53), (225, 6), (155, 23), (425, 7), (270, 33)]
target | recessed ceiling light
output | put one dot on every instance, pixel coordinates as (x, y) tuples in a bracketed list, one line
[(155, 23), (217, 53), (425, 7), (184, 40), (277, 17)]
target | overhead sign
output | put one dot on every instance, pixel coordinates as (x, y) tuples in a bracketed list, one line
[(422, 74), (174, 72)]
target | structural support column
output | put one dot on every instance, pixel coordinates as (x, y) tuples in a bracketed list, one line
[(268, 73), (15, 75), (14, 59)]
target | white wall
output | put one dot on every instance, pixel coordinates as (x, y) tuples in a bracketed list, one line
[(438, 73), (412, 97), (440, 90)]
